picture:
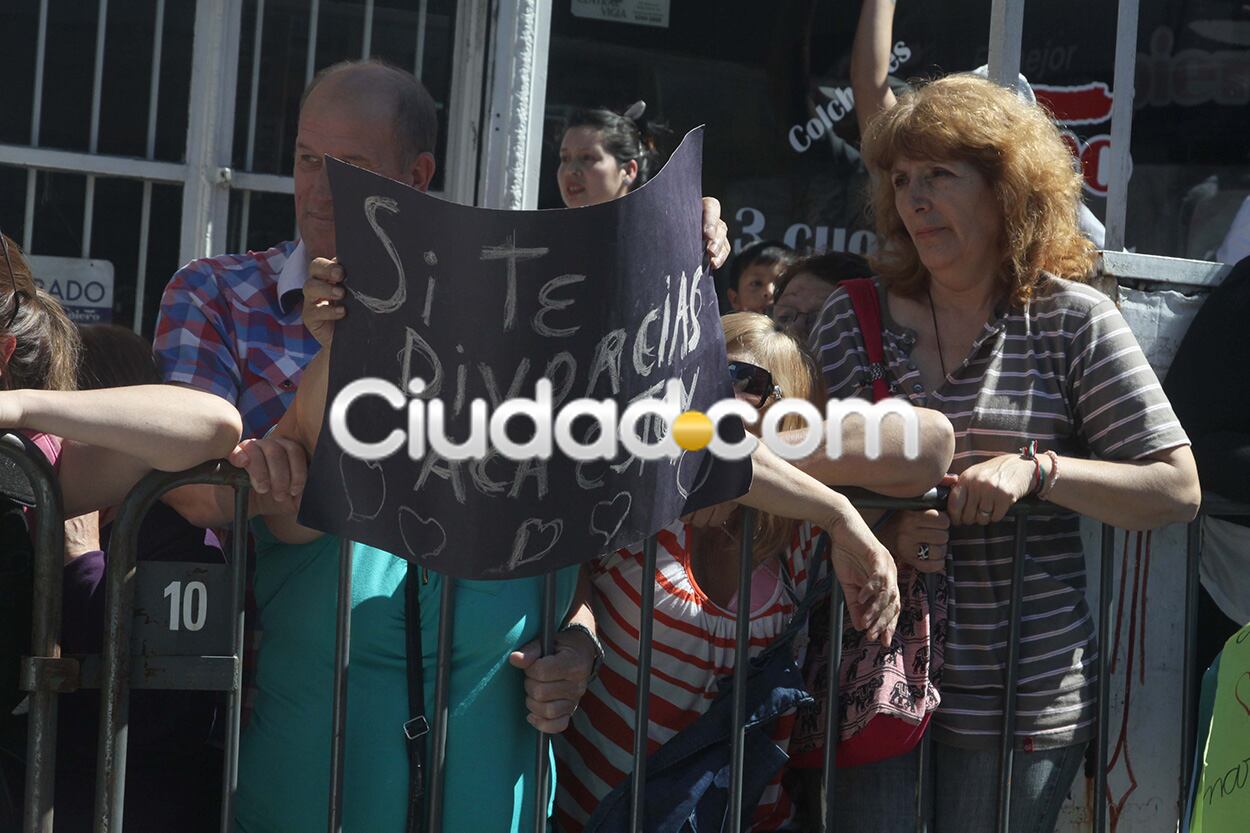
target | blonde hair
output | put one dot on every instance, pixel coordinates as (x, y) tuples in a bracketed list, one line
[(1015, 146), (47, 347), (759, 340)]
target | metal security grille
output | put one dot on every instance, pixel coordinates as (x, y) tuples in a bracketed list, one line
[(148, 133)]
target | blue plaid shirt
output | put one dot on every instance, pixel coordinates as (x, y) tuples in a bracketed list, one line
[(231, 325)]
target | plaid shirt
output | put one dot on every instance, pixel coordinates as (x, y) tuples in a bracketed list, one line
[(231, 325)]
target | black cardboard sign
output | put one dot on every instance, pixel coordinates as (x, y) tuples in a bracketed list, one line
[(606, 302)]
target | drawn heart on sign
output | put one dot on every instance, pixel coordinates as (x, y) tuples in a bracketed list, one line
[(533, 540), (608, 515), (423, 537), (362, 480), (688, 470), (1242, 691)]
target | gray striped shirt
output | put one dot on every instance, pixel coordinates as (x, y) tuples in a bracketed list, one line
[(1065, 371)]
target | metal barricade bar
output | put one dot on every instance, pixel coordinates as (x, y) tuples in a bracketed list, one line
[(925, 758), (742, 663), (238, 592), (642, 717), (1189, 697), (442, 698), (342, 658), (1106, 576), (49, 541), (1007, 744), (119, 610), (115, 680), (832, 713), (542, 768)]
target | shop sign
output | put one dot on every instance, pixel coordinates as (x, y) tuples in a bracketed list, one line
[(640, 12), (83, 287), (804, 237), (1082, 105)]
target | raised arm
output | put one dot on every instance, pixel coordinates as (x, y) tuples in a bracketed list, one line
[(115, 436), (870, 60)]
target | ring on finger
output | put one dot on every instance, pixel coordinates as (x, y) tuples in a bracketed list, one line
[(922, 552)]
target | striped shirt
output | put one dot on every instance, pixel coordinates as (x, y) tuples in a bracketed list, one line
[(1065, 371), (693, 645)]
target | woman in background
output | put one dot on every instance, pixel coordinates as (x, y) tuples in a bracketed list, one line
[(605, 155)]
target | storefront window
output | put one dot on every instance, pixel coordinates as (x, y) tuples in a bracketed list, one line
[(417, 36), (772, 83)]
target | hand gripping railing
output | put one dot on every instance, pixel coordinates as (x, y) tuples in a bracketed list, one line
[(42, 669), (224, 673)]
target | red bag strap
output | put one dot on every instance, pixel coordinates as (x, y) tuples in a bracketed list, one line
[(867, 305)]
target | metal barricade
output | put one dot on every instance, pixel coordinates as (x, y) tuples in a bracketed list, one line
[(1212, 505), (204, 673), (47, 674), (44, 672)]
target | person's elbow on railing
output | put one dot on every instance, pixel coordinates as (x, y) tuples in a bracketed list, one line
[(893, 472), (864, 567), (277, 469)]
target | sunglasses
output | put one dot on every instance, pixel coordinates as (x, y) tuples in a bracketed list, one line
[(17, 296), (753, 380)]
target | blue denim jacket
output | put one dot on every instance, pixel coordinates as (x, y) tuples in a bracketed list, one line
[(687, 788), (688, 778)]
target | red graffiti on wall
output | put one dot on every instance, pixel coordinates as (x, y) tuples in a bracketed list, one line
[(1135, 645)]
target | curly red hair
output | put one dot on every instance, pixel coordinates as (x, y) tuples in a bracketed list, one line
[(1015, 146)]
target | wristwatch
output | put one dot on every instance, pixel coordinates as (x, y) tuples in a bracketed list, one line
[(594, 640)]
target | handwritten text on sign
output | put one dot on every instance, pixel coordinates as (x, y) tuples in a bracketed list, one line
[(608, 302)]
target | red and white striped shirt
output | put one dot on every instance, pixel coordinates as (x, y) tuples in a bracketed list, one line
[(692, 646)]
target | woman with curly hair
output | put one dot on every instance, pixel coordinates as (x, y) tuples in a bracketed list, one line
[(986, 317)]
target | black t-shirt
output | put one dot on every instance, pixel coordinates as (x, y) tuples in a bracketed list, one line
[(1209, 387)]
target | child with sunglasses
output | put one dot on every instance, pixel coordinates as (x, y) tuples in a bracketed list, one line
[(696, 604)]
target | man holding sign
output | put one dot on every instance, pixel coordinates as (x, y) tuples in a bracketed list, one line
[(232, 324)]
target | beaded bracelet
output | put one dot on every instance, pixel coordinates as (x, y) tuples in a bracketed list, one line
[(1044, 492)]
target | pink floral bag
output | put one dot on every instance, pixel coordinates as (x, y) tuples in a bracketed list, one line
[(885, 695)]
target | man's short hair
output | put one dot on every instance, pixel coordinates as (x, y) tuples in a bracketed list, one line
[(765, 252), (416, 119)]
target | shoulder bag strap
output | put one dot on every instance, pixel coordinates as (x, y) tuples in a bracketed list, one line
[(867, 305), (417, 726)]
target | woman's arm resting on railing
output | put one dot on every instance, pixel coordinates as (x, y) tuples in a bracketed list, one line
[(892, 473), (1135, 495), (863, 566), (1129, 494), (277, 470), (115, 436)]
